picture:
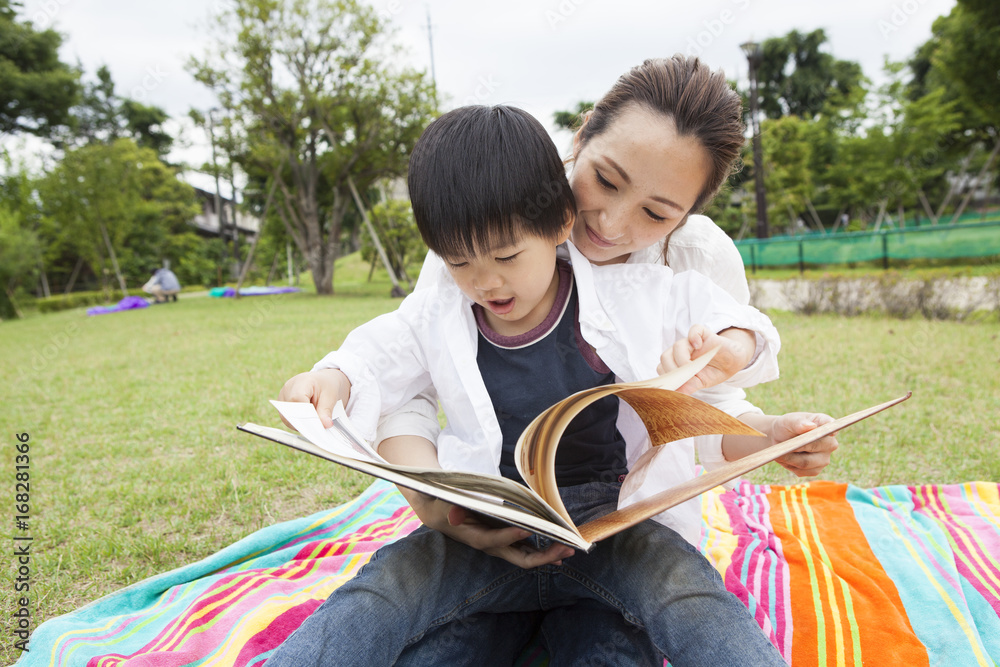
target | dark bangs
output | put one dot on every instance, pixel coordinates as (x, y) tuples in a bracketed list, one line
[(483, 177)]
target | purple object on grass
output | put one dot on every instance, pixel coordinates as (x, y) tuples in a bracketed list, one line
[(128, 303)]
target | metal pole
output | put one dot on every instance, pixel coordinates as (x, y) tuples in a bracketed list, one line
[(217, 203)]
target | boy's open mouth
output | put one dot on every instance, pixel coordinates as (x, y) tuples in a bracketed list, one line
[(501, 306)]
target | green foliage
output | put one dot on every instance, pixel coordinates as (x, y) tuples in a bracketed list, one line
[(572, 120), (968, 55), (397, 230), (787, 153), (797, 78), (103, 116), (36, 88), (58, 302), (314, 84), (145, 206)]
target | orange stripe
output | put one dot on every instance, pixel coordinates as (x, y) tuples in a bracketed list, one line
[(886, 637)]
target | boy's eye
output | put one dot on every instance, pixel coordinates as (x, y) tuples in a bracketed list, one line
[(457, 265), (604, 183), (508, 259), (653, 215)]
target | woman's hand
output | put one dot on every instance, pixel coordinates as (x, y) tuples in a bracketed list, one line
[(811, 459), (736, 348), (321, 388), (462, 526)]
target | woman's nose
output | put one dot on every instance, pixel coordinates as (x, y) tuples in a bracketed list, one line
[(609, 223)]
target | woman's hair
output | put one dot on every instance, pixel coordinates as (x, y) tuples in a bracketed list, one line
[(482, 177), (701, 103)]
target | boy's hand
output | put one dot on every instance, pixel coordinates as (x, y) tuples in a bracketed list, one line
[(321, 388), (460, 525), (811, 459), (736, 348)]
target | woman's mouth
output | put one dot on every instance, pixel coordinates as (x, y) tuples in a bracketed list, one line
[(597, 239), (501, 306)]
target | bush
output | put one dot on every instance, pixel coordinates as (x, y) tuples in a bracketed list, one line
[(54, 304)]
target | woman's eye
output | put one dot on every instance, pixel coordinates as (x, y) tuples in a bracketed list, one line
[(653, 215), (458, 265), (605, 183)]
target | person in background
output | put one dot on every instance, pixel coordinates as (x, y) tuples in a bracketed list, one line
[(163, 285)]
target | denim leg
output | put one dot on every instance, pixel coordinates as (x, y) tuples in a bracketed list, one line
[(410, 586), (481, 639), (593, 634), (662, 583)]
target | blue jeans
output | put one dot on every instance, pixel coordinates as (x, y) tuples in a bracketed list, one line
[(585, 634), (417, 586)]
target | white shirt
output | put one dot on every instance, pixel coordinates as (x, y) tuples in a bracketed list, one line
[(630, 314)]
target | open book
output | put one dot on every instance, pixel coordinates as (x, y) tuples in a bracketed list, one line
[(667, 414)]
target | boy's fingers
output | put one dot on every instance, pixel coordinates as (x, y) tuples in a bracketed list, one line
[(324, 406)]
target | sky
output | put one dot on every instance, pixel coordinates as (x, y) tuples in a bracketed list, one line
[(542, 55)]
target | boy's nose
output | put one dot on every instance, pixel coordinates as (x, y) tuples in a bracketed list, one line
[(487, 280)]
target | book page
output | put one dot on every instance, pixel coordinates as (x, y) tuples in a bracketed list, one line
[(341, 438), (490, 496), (668, 416)]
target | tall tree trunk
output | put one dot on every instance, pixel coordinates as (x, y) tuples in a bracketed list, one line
[(927, 207), (114, 260), (73, 276)]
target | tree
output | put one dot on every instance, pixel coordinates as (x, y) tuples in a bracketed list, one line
[(572, 120), (118, 203), (104, 116), (796, 78), (19, 248), (397, 230), (36, 89), (787, 153), (968, 55), (314, 83)]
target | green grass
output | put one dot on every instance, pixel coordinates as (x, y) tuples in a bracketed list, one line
[(136, 467)]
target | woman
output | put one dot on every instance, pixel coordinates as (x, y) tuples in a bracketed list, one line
[(656, 148)]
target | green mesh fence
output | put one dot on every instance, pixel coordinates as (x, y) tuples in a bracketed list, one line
[(927, 242)]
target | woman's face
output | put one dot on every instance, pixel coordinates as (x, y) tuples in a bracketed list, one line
[(633, 184)]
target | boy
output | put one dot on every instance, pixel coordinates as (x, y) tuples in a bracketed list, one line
[(507, 332)]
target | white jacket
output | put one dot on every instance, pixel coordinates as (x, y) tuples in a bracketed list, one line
[(629, 313)]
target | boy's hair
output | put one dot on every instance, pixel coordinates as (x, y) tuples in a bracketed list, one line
[(482, 177)]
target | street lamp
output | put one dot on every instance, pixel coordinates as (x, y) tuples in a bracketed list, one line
[(753, 54)]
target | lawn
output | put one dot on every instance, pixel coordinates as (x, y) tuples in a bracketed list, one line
[(136, 467)]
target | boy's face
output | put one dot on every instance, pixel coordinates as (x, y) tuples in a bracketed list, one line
[(516, 284)]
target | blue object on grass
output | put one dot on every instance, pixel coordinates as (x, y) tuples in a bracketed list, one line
[(252, 291)]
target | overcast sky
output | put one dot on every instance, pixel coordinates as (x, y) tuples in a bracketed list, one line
[(541, 55)]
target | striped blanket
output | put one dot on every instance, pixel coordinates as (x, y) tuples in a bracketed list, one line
[(834, 575)]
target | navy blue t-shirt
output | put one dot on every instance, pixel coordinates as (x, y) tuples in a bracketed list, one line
[(526, 374)]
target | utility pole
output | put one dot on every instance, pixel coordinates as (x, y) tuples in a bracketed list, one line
[(430, 42)]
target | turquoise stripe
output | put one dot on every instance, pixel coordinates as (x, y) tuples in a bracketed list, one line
[(888, 532), (76, 630)]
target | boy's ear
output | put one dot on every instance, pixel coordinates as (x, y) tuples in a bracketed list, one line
[(567, 228)]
